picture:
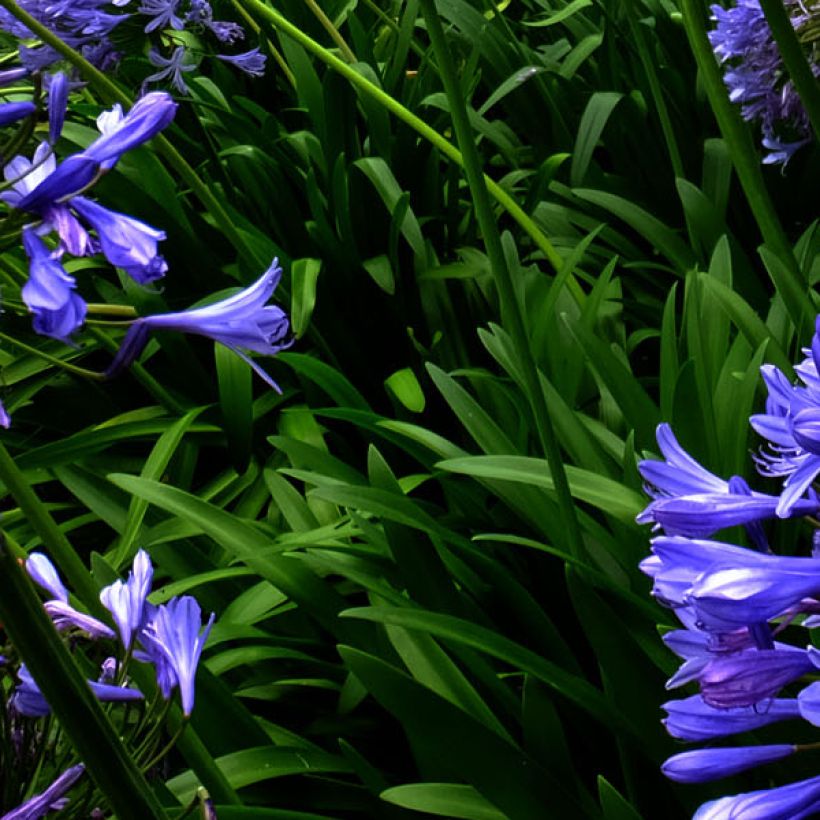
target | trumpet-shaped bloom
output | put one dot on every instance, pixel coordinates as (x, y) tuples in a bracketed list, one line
[(28, 700), (749, 677), (171, 68), (175, 637), (251, 62), (13, 111), (702, 765), (126, 601), (49, 293), (50, 799), (57, 103), (44, 573), (243, 322), (695, 720), (126, 242), (792, 802), (5, 418)]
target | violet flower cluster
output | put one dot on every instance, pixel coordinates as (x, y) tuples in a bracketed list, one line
[(88, 26), (170, 637), (756, 77), (734, 602)]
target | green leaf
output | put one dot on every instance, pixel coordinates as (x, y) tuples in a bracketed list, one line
[(404, 385), (234, 378), (304, 274), (443, 799), (593, 121)]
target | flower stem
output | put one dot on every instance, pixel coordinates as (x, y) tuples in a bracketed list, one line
[(334, 33), (511, 309), (71, 368)]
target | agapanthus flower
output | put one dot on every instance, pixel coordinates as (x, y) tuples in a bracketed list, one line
[(49, 292), (175, 637), (5, 418), (57, 103), (251, 62), (126, 601), (792, 802), (28, 700), (243, 322), (702, 765), (695, 720), (689, 500), (164, 14), (756, 77), (126, 242), (51, 799), (171, 68), (13, 111)]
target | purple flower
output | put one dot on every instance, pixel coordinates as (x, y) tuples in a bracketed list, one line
[(5, 418), (148, 116), (44, 574), (28, 700), (126, 601), (11, 75), (251, 62), (49, 800), (695, 720), (730, 596), (164, 14), (702, 765), (172, 68), (691, 501), (57, 103), (241, 322), (49, 293), (174, 638), (792, 802), (126, 242), (749, 677), (756, 77), (226, 32), (13, 111)]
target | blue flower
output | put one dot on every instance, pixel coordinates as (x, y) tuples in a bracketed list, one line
[(57, 103), (175, 637), (251, 62), (13, 111), (792, 802), (28, 700), (172, 68), (126, 601), (49, 292), (5, 418), (48, 800), (126, 242), (747, 678), (243, 322), (702, 765), (691, 501), (695, 720), (164, 14)]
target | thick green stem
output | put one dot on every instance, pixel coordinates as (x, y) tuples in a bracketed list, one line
[(111, 92), (789, 279), (275, 19), (794, 56), (70, 697), (511, 310)]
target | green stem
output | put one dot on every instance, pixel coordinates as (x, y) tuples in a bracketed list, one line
[(275, 19), (126, 311), (113, 93), (794, 57), (52, 537), (788, 280), (70, 697), (334, 33), (71, 368), (511, 311)]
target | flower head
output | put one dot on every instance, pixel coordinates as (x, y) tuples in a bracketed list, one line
[(243, 322), (126, 601), (48, 800), (251, 62)]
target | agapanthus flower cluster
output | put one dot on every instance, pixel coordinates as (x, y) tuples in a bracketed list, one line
[(756, 77), (169, 637), (735, 603), (88, 26)]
